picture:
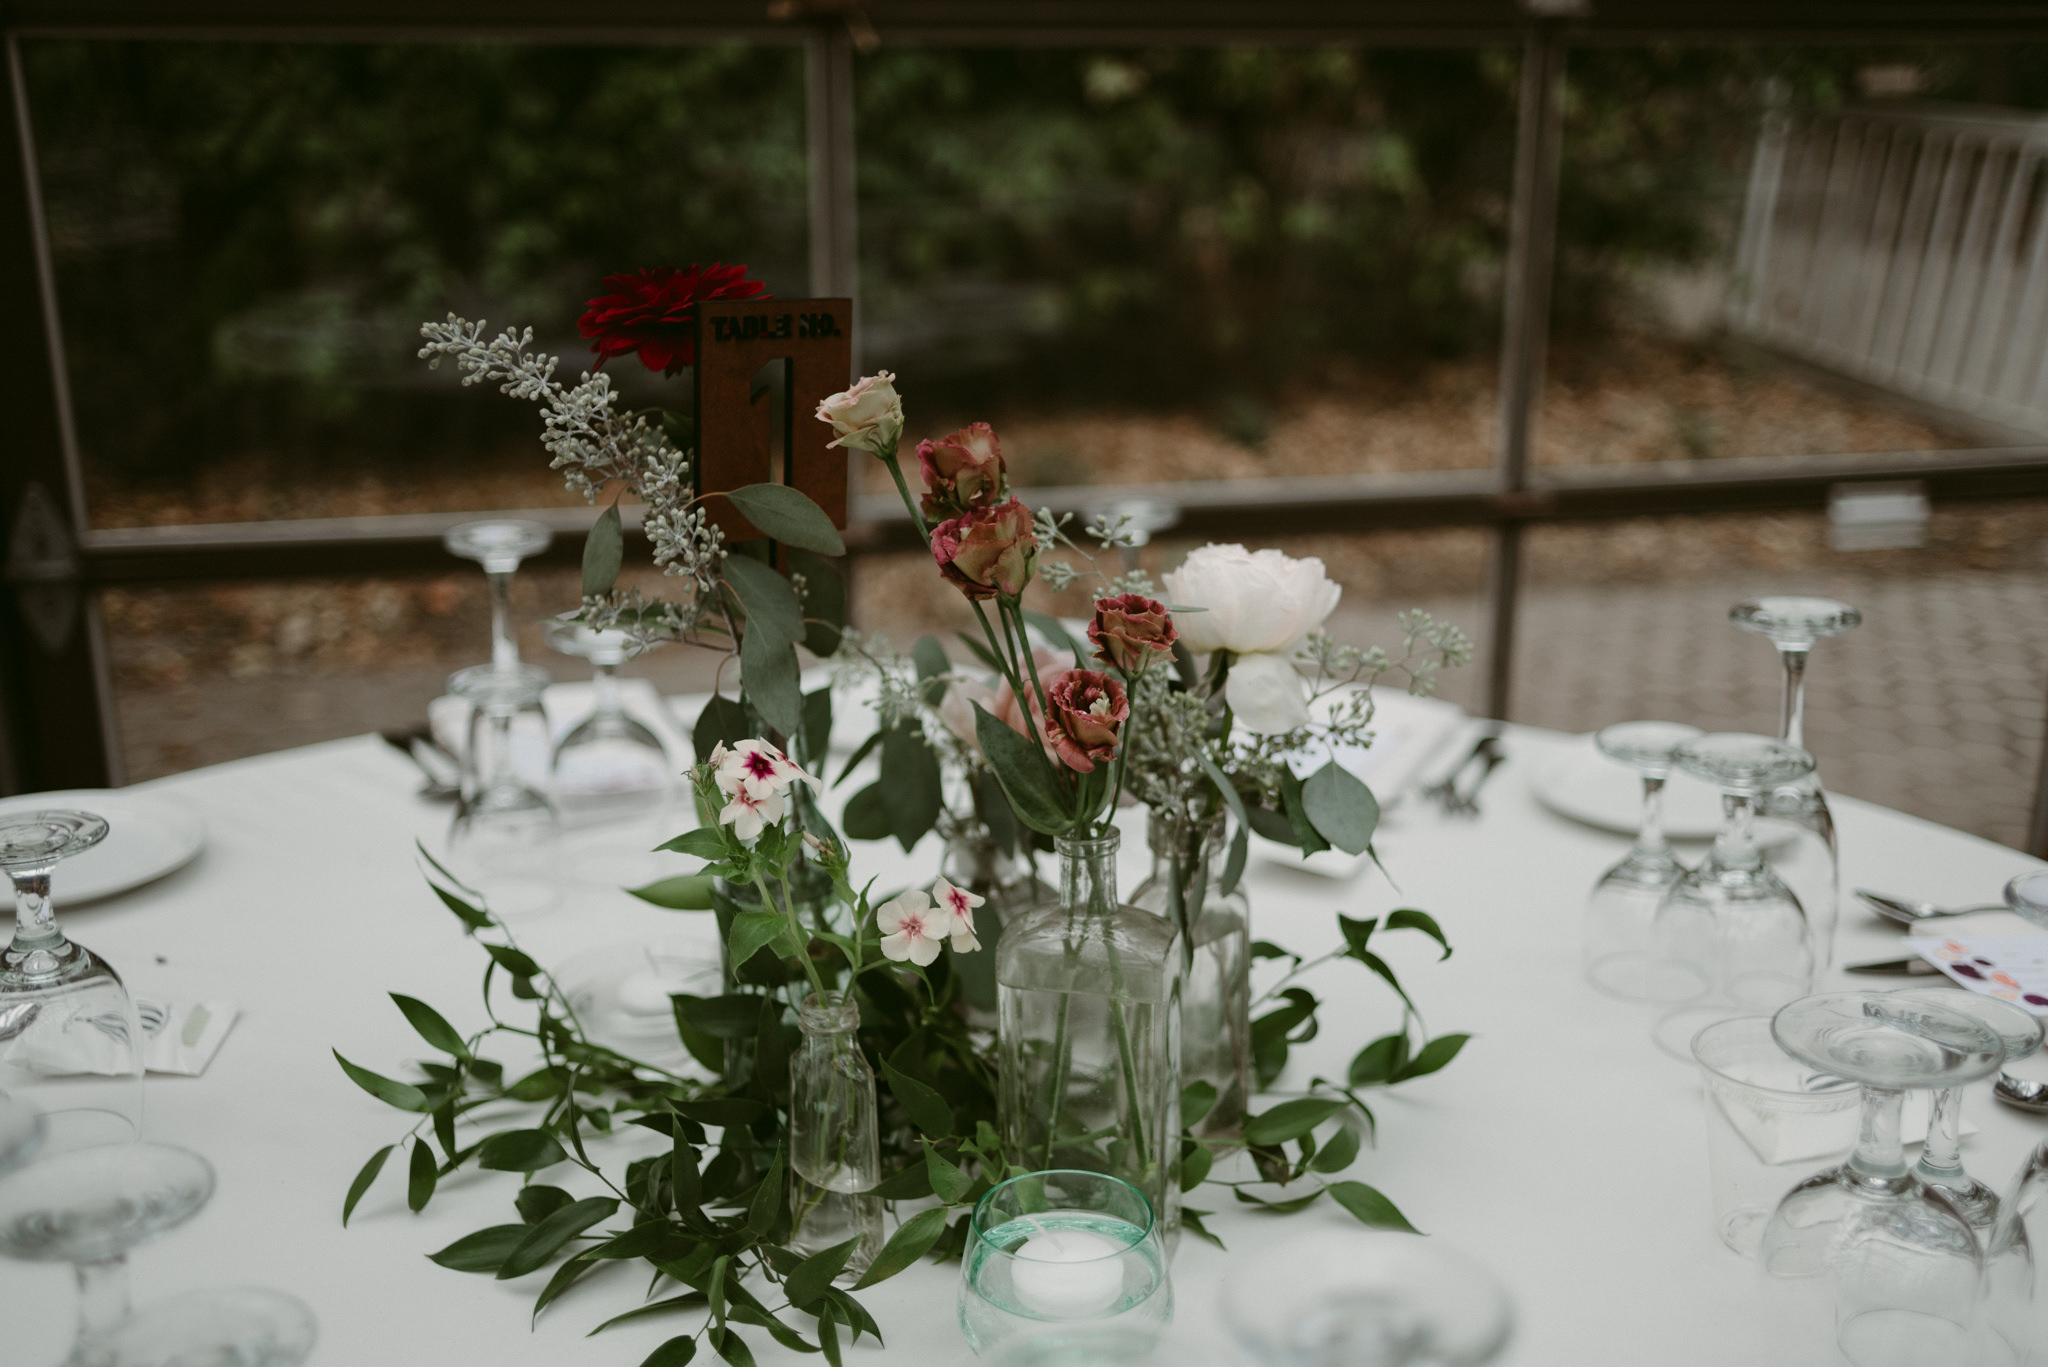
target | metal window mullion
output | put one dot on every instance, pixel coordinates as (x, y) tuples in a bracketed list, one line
[(1539, 130)]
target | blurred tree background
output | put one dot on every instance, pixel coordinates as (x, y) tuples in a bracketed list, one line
[(247, 235)]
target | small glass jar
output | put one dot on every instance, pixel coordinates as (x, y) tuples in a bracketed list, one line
[(1089, 998), (1185, 887), (835, 1157)]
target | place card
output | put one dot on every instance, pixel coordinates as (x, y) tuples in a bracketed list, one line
[(2012, 968)]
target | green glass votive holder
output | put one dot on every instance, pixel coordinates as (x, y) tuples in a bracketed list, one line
[(1060, 1249)]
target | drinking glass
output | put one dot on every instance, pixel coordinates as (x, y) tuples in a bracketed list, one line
[(1060, 1248), (499, 546), (504, 841), (1941, 1157), (1770, 1119), (1729, 938), (2027, 895), (1117, 1343), (1616, 938), (89, 1207), (2015, 1270), (1902, 1262), (63, 1010), (1809, 859), (21, 1133), (241, 1326), (609, 765), (1360, 1299)]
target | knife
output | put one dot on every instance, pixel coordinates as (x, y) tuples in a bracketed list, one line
[(1913, 967)]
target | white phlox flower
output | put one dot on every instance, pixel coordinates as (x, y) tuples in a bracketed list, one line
[(959, 904), (912, 928), (758, 768)]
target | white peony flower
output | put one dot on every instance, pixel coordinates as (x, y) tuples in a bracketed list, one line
[(912, 928), (1265, 694), (1253, 602)]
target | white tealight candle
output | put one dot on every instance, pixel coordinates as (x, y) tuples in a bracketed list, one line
[(1068, 1273)]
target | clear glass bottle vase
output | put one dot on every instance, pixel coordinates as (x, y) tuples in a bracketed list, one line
[(1185, 887), (1089, 1001), (1009, 887), (835, 1156)]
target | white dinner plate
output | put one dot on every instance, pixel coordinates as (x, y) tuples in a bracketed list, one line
[(1579, 782), (147, 837)]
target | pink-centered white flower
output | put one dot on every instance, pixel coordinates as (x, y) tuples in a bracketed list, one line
[(749, 815), (755, 778), (960, 904), (912, 928)]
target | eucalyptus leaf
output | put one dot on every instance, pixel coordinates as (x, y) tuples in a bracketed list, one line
[(1305, 833), (1342, 808), (910, 783), (1369, 1206), (1291, 1119), (824, 599), (768, 673), (771, 604), (433, 1028), (911, 1241), (543, 1240), (787, 514), (519, 1151), (723, 720), (364, 1179), (867, 814), (814, 740), (1027, 776), (604, 550), (685, 892), (483, 1251), (403, 1095)]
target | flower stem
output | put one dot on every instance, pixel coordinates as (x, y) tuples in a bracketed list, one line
[(796, 930), (924, 530)]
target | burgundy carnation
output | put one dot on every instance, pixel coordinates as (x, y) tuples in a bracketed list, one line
[(1130, 631), (653, 312), (963, 471), (987, 552), (1087, 710)]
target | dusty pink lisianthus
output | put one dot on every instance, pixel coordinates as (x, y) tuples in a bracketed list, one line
[(987, 552), (963, 471), (1130, 631), (1088, 709)]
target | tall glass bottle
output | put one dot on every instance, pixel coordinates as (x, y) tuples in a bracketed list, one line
[(835, 1155), (1089, 996), (1185, 887)]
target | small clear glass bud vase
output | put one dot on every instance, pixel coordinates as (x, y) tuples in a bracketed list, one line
[(1185, 888), (835, 1158), (1089, 1050)]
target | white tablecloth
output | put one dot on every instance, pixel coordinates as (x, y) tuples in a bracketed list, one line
[(1560, 1148)]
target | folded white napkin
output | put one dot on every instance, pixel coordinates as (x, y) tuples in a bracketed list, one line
[(180, 1038)]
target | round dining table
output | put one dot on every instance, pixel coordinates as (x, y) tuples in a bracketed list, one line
[(1560, 1148)]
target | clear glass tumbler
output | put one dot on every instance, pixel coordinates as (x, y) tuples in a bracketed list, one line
[(1061, 1249)]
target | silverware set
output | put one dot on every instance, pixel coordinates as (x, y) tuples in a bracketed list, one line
[(1462, 799)]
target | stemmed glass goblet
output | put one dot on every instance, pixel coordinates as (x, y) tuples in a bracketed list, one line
[(89, 1208), (1903, 1262), (63, 1009), (1730, 938), (1941, 1157), (1618, 914), (609, 764), (1358, 1299), (2027, 895), (499, 545), (1811, 861), (504, 839)]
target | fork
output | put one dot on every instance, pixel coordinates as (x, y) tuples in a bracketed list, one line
[(1444, 792)]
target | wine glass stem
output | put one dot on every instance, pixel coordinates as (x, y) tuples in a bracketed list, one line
[(504, 643), (102, 1295), (1879, 1153), (604, 691), (35, 915), (1650, 835), (1792, 718), (1735, 846), (1941, 1157)]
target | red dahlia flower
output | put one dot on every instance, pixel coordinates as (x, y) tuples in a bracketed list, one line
[(653, 312)]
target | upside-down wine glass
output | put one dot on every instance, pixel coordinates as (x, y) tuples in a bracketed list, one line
[(1941, 1157), (1810, 859), (1730, 938), (2027, 895), (21, 1132), (1616, 936), (1358, 1299), (499, 545), (1902, 1262), (71, 1044), (2015, 1269), (610, 764), (505, 838)]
